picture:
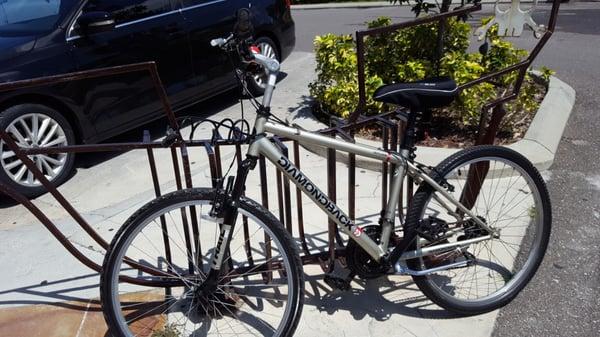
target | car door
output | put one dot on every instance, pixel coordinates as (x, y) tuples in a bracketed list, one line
[(206, 20), (146, 30)]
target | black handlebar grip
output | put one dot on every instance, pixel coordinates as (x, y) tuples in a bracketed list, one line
[(243, 28)]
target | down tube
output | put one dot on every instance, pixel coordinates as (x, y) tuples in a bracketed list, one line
[(266, 148)]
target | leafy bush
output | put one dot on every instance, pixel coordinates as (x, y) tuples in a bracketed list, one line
[(409, 55)]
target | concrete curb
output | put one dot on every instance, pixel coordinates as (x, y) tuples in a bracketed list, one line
[(371, 4), (539, 144)]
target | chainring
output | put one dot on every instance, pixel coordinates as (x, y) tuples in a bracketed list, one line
[(359, 261)]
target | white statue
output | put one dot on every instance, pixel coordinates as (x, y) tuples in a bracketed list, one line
[(511, 21)]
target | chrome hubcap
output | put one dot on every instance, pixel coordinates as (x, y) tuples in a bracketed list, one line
[(29, 131), (268, 51)]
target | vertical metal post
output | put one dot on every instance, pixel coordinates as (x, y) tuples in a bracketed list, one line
[(212, 162), (360, 62), (478, 172), (439, 51), (262, 167), (184, 221), (331, 192), (384, 167), (299, 202), (157, 193), (400, 132), (187, 173), (352, 186), (264, 192)]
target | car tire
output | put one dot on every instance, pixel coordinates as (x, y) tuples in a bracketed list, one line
[(256, 84), (21, 122)]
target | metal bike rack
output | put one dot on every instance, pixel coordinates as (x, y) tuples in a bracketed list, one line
[(389, 124)]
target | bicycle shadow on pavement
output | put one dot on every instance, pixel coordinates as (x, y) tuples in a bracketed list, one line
[(59, 297), (379, 299)]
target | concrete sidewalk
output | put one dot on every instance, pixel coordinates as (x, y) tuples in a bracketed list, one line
[(47, 292)]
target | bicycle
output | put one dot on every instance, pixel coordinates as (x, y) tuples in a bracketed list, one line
[(473, 236)]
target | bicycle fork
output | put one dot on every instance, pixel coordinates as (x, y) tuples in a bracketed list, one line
[(225, 207)]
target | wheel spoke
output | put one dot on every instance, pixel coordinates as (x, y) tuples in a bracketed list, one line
[(35, 128), (42, 130), (51, 160), (17, 134), (38, 164), (13, 164), (30, 177), (27, 129), (50, 135), (49, 170), (57, 141), (8, 154), (20, 173)]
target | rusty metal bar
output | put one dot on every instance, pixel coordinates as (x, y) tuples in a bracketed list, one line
[(419, 21), (187, 173), (401, 124), (218, 161), (352, 186), (157, 193), (184, 221), (264, 192), (394, 146), (287, 200), (278, 178), (267, 277), (52, 190), (331, 192), (212, 163), (384, 167), (299, 209), (360, 48)]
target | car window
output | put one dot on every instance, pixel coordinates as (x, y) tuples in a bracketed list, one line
[(129, 10), (24, 17)]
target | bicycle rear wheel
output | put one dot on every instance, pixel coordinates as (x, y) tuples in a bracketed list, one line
[(259, 292), (512, 198)]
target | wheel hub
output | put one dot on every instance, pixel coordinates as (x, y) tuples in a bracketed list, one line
[(472, 230), (211, 298), (32, 131), (218, 302)]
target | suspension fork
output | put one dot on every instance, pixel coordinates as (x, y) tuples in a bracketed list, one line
[(228, 211)]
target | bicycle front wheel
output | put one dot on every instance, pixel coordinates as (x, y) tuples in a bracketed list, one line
[(502, 188), (164, 251)]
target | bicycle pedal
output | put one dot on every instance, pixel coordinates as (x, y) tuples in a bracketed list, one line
[(339, 277), (337, 282)]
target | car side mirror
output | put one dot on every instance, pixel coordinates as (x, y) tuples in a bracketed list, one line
[(95, 22)]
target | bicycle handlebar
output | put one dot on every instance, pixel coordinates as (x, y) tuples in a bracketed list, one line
[(220, 42)]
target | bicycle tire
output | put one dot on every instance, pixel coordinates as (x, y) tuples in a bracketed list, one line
[(420, 203), (278, 234)]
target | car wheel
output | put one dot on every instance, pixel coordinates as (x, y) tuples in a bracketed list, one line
[(34, 125), (257, 83)]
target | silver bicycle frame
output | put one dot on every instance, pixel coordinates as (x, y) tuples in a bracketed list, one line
[(263, 146)]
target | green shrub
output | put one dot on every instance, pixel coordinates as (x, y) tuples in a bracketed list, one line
[(409, 55)]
